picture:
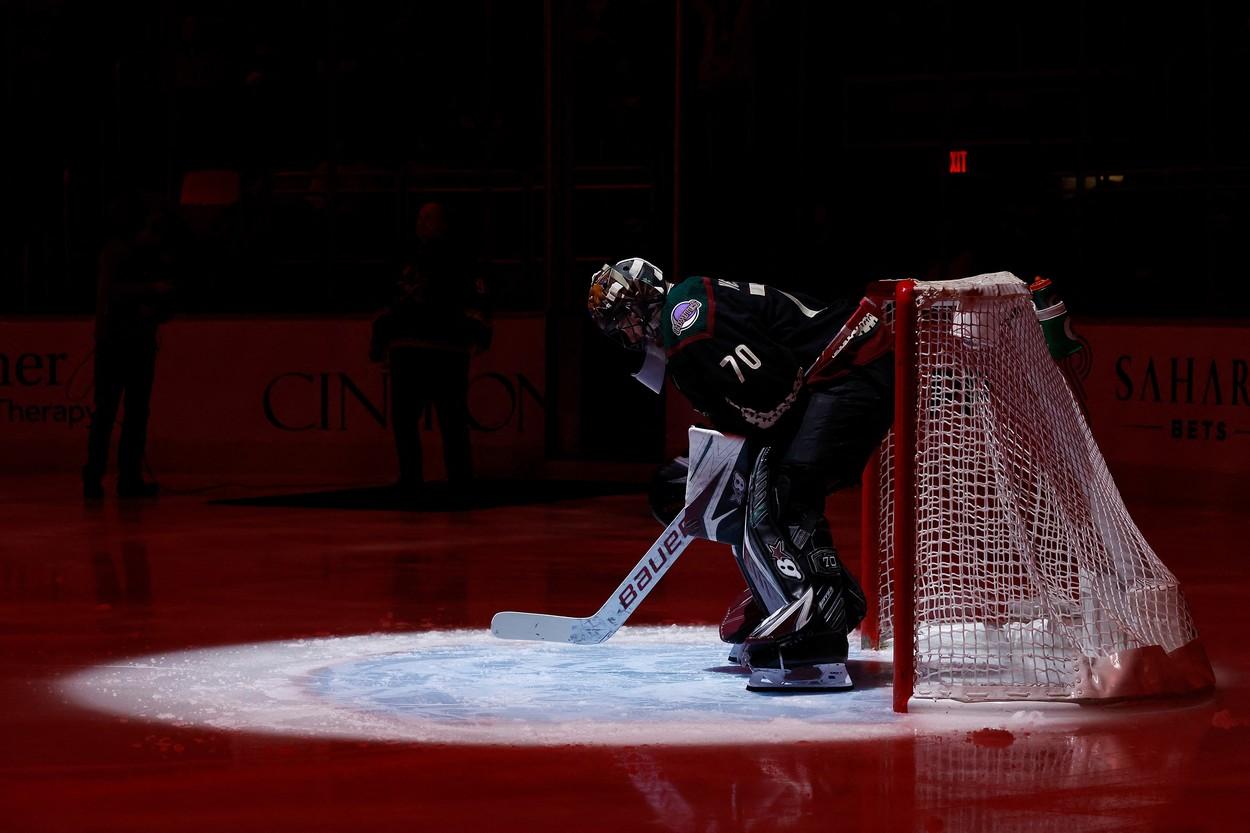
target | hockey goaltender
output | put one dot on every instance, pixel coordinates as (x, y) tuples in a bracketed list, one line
[(739, 352)]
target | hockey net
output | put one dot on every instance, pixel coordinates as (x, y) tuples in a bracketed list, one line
[(1029, 579)]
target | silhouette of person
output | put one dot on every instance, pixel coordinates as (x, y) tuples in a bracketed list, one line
[(132, 299), (438, 317)]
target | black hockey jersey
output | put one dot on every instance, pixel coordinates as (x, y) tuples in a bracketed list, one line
[(738, 351)]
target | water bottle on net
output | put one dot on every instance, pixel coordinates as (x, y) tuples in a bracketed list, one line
[(1053, 316)]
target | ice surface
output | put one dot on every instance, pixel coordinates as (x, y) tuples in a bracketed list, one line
[(653, 685)]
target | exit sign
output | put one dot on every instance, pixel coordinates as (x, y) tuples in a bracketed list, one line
[(959, 162)]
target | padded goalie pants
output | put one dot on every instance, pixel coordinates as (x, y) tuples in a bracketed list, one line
[(842, 425)]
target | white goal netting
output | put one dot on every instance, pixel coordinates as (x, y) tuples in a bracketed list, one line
[(1031, 579)]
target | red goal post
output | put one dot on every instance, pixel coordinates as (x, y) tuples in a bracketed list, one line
[(1005, 564)]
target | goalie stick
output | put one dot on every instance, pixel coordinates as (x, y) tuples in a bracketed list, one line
[(712, 478), (623, 601), (863, 320)]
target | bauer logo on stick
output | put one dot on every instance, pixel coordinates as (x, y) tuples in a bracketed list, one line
[(684, 316), (651, 570)]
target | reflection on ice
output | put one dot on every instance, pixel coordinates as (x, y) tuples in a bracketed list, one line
[(1109, 770)]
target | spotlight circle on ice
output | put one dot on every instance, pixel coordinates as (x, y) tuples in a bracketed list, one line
[(649, 685)]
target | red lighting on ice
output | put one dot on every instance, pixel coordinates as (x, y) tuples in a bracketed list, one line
[(959, 162)]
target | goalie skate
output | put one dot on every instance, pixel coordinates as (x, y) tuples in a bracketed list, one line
[(790, 651), (830, 676)]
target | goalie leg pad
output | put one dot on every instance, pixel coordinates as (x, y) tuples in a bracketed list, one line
[(782, 562), (839, 595), (742, 617)]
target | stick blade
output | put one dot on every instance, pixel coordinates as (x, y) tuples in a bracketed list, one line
[(540, 627)]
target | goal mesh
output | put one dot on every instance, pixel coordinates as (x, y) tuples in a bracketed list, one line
[(1031, 579)]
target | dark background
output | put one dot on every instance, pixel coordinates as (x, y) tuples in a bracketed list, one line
[(1108, 143), (799, 143)]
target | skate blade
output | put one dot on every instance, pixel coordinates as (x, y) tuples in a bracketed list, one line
[(735, 653), (829, 677)]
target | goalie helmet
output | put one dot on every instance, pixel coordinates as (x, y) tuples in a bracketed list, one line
[(625, 302)]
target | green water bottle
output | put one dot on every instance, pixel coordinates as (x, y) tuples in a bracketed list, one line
[(1053, 316)]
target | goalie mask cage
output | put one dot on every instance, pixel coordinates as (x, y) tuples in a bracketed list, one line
[(1007, 565)]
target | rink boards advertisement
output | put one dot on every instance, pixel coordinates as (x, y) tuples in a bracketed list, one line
[(281, 397), (1169, 404), (299, 397)]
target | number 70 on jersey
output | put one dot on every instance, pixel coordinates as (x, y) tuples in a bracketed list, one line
[(746, 356)]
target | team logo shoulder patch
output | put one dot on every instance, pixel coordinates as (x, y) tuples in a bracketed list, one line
[(685, 314)]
